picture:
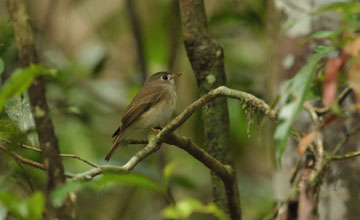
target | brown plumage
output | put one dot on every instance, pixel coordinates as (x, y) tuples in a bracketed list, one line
[(151, 107)]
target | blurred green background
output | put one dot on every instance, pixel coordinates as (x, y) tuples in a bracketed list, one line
[(93, 47)]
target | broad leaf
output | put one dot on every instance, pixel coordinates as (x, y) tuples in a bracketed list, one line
[(322, 34), (184, 208), (20, 81), (169, 170), (19, 112), (59, 195), (27, 209), (13, 204), (35, 206), (1, 66), (295, 94)]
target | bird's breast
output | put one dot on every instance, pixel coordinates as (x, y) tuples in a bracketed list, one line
[(161, 112)]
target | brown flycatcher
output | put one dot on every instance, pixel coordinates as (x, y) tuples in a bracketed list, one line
[(152, 106)]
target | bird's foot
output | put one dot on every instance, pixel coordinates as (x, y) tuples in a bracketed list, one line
[(156, 129)]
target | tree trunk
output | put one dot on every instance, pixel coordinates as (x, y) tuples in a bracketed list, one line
[(207, 60), (47, 139)]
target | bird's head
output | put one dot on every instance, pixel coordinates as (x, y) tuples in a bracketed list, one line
[(162, 78)]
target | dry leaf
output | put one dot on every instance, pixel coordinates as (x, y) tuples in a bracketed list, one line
[(305, 142), (354, 78), (332, 69), (352, 48)]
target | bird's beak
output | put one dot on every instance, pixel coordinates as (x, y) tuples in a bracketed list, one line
[(176, 75)]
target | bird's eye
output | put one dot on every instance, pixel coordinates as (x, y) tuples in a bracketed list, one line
[(164, 77)]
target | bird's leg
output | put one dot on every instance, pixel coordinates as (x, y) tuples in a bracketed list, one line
[(156, 129)]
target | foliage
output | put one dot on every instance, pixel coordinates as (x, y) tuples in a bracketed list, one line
[(19, 112), (20, 81), (2, 66), (109, 180), (185, 207), (30, 208), (295, 92)]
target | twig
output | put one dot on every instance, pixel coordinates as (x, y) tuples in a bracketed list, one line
[(61, 155), (333, 156), (354, 130), (27, 161), (79, 158), (340, 99), (27, 177), (23, 159), (346, 156), (151, 147)]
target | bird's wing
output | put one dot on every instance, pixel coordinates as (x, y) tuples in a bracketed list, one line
[(146, 97), (143, 100)]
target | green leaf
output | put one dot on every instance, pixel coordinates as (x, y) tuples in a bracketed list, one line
[(171, 178), (185, 207), (28, 209), (59, 195), (35, 206), (132, 179), (1, 66), (8, 129), (169, 169), (20, 81), (182, 181), (14, 204), (322, 34), (19, 112), (296, 90)]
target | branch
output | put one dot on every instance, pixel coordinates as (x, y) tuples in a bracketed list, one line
[(327, 160), (165, 135), (61, 155), (23, 159), (222, 91), (151, 147), (224, 172), (340, 99), (346, 156), (27, 161)]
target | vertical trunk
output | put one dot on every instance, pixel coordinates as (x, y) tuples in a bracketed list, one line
[(47, 139), (207, 60), (136, 30)]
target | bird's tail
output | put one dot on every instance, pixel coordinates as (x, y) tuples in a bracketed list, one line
[(113, 147)]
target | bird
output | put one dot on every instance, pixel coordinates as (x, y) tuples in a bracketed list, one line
[(151, 107)]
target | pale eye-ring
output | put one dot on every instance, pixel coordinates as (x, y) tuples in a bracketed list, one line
[(164, 77)]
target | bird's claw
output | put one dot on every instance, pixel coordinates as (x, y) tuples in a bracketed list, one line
[(156, 129)]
